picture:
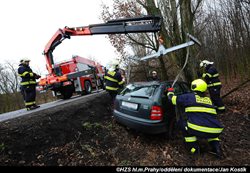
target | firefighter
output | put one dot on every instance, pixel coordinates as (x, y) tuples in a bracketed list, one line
[(200, 117), (211, 76), (113, 80), (28, 84), (154, 76)]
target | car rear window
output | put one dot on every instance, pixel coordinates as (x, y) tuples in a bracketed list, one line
[(134, 90)]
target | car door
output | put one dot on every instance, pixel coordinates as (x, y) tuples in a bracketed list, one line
[(168, 107)]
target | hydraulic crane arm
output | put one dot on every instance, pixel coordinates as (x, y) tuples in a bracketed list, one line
[(119, 26)]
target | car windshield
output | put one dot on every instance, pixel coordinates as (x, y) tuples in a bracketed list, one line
[(134, 90)]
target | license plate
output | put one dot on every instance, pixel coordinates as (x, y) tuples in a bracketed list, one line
[(130, 105)]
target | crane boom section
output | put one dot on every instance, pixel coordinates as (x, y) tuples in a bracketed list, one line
[(118, 26)]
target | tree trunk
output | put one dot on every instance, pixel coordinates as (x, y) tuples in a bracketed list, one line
[(187, 27), (153, 10)]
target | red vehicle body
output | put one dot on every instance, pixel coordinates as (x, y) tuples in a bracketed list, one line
[(80, 74), (82, 84)]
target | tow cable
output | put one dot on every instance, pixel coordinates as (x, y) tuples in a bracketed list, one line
[(185, 64)]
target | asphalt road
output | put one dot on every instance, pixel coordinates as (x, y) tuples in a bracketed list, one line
[(23, 112)]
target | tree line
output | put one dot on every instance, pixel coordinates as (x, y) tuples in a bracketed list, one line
[(10, 96), (221, 25)]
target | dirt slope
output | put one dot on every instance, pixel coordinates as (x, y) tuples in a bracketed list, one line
[(85, 133)]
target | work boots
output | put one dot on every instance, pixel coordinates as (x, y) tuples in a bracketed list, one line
[(217, 152), (32, 107), (216, 149)]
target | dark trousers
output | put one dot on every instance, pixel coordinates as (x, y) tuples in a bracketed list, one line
[(216, 99), (29, 95), (22, 92), (191, 137), (112, 94)]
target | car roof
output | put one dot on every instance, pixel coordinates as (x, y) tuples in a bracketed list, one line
[(148, 83)]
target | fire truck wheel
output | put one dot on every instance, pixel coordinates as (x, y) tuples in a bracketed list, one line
[(88, 87), (67, 92)]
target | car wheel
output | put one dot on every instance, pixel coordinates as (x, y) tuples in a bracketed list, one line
[(67, 92)]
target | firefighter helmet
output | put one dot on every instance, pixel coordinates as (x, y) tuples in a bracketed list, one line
[(199, 85), (204, 63), (22, 60), (113, 65), (154, 72)]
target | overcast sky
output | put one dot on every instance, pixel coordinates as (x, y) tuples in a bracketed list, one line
[(27, 25)]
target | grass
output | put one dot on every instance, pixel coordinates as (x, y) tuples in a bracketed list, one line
[(2, 147), (88, 125)]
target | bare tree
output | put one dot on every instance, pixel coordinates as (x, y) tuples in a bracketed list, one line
[(9, 87), (224, 30), (178, 20)]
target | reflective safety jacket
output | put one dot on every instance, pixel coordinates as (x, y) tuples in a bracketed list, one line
[(28, 77), (211, 76), (113, 80), (201, 113)]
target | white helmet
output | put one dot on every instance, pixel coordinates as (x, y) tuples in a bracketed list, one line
[(154, 72), (113, 65), (204, 63), (22, 60)]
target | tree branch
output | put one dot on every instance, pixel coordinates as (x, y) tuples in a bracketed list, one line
[(235, 89), (139, 43), (143, 5), (197, 6)]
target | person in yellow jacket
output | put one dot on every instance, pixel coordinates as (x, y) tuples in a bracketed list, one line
[(211, 76), (113, 80), (28, 84), (201, 121)]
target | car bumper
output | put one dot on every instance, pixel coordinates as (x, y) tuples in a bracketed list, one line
[(146, 127)]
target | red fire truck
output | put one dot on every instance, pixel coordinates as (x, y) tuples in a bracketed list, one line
[(80, 75), (80, 84)]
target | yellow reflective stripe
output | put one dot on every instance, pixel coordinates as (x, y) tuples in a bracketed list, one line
[(24, 73), (193, 150), (111, 79), (111, 88), (200, 109), (214, 84), (28, 82), (204, 129), (190, 139), (216, 75), (174, 98), (221, 108), (213, 139), (112, 73), (170, 93), (208, 74), (120, 83), (25, 83), (29, 103), (31, 74)]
